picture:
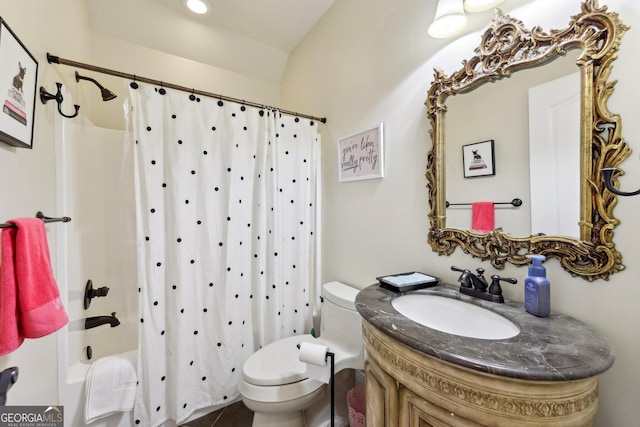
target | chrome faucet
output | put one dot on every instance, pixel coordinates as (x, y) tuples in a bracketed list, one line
[(92, 322), (476, 285)]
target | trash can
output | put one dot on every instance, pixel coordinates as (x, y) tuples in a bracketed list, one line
[(357, 406)]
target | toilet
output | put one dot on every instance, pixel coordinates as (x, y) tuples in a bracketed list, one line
[(274, 384)]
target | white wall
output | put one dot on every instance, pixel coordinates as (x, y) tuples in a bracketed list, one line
[(28, 183), (371, 61), (28, 176)]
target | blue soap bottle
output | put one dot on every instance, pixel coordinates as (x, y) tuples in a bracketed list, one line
[(537, 289)]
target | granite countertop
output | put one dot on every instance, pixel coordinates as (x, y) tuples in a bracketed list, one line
[(554, 348)]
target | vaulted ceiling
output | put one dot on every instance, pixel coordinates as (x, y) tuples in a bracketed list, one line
[(253, 37)]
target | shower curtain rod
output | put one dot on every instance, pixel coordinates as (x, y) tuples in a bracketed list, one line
[(62, 61)]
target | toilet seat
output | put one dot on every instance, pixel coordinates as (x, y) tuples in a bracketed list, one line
[(277, 363), (304, 390), (275, 373)]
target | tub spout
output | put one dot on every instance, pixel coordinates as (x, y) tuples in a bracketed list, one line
[(92, 322)]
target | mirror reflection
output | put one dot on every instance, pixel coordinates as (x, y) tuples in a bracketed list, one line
[(533, 119)]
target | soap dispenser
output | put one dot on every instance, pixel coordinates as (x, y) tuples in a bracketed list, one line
[(537, 289)]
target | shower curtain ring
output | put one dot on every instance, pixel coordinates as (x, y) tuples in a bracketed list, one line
[(242, 108), (133, 84), (192, 96), (220, 103), (161, 91)]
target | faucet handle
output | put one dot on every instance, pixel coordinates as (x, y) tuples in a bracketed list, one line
[(495, 288)]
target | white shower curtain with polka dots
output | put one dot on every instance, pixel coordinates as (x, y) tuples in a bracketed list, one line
[(226, 229)]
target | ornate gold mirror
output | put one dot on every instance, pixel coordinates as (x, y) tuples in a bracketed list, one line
[(507, 47)]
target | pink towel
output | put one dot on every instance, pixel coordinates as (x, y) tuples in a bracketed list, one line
[(10, 338), (482, 216), (39, 309)]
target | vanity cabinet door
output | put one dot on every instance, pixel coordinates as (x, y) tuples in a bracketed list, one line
[(382, 397), (415, 411)]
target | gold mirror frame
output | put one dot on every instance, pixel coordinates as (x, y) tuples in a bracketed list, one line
[(505, 48)]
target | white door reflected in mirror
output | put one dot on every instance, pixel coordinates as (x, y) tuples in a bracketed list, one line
[(554, 156)]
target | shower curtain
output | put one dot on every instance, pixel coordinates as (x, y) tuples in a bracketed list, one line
[(226, 221)]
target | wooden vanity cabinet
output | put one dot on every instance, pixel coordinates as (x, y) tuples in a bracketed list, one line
[(407, 388), (391, 404), (382, 396)]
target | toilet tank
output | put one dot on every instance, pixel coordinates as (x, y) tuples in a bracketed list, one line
[(341, 325)]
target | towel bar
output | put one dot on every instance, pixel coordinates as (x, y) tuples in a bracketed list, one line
[(514, 202), (42, 217)]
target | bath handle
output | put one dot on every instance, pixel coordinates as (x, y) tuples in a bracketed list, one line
[(90, 293)]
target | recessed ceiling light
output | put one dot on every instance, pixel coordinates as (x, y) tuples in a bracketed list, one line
[(197, 6)]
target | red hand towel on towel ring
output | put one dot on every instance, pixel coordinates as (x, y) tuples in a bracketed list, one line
[(482, 216)]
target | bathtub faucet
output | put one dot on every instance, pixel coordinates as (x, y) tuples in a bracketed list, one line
[(92, 322)]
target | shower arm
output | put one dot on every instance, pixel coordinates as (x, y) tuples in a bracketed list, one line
[(107, 95)]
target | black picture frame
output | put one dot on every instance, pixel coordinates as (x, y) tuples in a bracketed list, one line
[(18, 81), (478, 159)]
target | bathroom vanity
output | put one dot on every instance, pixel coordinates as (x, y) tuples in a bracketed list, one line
[(419, 376)]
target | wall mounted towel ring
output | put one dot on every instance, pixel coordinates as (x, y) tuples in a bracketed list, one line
[(46, 97), (607, 174)]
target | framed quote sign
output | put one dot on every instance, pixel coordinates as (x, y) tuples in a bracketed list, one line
[(361, 155)]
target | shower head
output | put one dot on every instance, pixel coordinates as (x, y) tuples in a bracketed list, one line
[(107, 95)]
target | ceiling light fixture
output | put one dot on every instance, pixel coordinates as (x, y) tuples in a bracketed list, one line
[(197, 6), (449, 20), (480, 5)]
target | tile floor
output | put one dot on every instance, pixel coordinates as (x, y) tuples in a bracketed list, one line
[(235, 415)]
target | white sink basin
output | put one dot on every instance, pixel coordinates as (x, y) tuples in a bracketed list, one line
[(455, 317)]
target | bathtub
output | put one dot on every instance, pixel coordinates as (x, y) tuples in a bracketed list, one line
[(94, 176)]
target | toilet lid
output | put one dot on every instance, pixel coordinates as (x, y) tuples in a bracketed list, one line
[(276, 363)]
